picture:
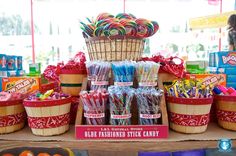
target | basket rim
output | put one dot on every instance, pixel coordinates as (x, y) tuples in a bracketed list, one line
[(112, 38), (225, 98), (11, 102), (190, 101), (46, 103)]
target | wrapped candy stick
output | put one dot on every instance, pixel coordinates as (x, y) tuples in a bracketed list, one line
[(149, 100), (98, 74), (146, 73), (123, 73), (94, 103), (120, 102)]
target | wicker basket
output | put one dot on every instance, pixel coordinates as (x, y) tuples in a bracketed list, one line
[(115, 48), (189, 115), (12, 116), (226, 111), (71, 81), (47, 118)]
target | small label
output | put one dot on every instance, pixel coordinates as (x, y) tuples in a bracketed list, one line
[(99, 115), (100, 83), (150, 116), (126, 116), (123, 83), (148, 84)]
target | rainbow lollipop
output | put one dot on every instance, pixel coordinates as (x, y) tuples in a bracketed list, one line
[(113, 29), (130, 26), (156, 26), (123, 16), (98, 32), (104, 16), (104, 22), (87, 28), (145, 27)]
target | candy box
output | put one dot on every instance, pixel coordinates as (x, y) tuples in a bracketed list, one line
[(22, 85), (9, 73), (212, 70), (11, 62), (213, 79), (231, 78), (212, 59), (225, 59), (19, 63), (231, 84), (196, 67), (228, 70), (35, 69), (3, 62), (122, 132)]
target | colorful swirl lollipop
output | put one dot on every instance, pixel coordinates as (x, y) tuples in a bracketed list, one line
[(156, 26), (130, 26), (98, 32), (113, 29), (104, 22), (104, 16), (123, 16), (145, 27), (88, 29)]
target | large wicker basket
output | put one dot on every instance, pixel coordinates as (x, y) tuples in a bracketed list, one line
[(12, 116), (49, 117), (115, 48), (188, 115), (226, 111)]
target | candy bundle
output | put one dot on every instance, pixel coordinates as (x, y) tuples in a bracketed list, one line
[(98, 73), (147, 73), (189, 89), (168, 64), (123, 73), (48, 95), (77, 63), (5, 96), (149, 105), (221, 90), (94, 103), (121, 24), (120, 102)]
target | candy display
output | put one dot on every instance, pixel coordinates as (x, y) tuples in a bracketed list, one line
[(94, 103), (24, 85), (221, 90), (98, 74), (51, 110), (12, 116), (122, 24), (168, 64), (71, 74), (120, 99), (148, 100), (189, 89), (48, 95), (124, 73), (147, 72)]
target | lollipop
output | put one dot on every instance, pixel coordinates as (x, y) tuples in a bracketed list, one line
[(156, 26), (88, 29), (98, 32), (113, 29), (104, 22), (145, 27), (130, 26), (123, 16), (104, 16)]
